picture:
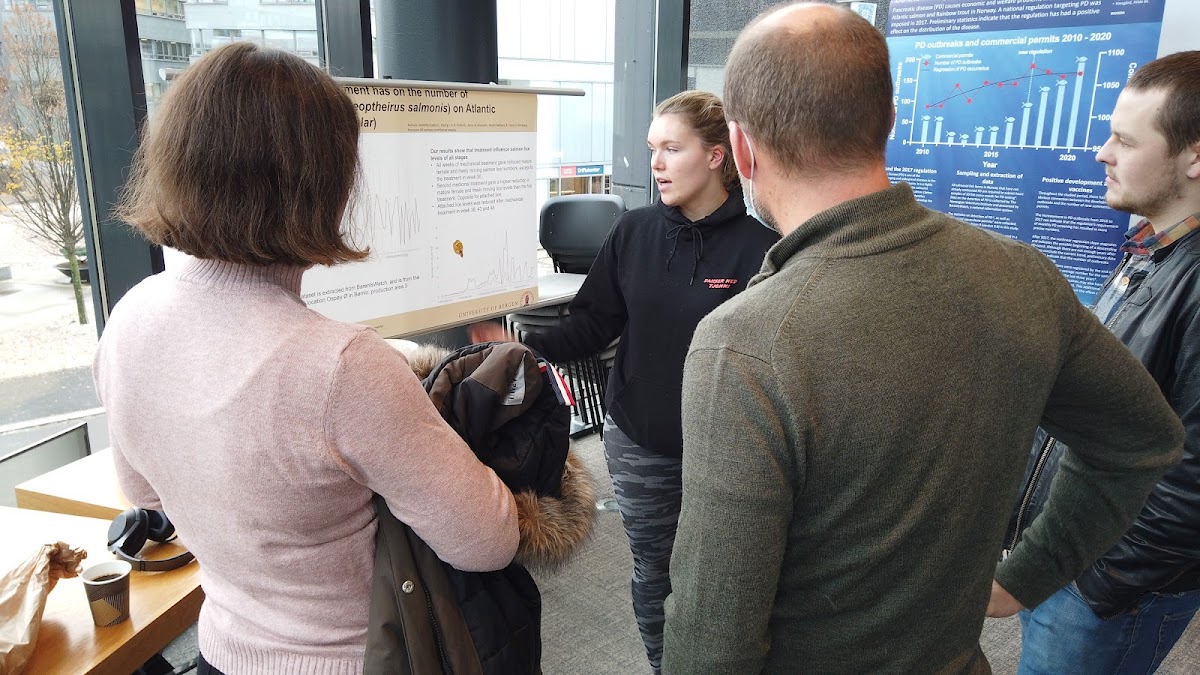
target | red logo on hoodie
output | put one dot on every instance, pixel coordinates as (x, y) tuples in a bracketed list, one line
[(720, 283)]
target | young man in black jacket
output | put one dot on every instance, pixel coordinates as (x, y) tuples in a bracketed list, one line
[(1126, 611)]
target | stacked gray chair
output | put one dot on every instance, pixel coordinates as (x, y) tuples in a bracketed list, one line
[(572, 229)]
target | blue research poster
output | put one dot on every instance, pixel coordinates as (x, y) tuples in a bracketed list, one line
[(1001, 106)]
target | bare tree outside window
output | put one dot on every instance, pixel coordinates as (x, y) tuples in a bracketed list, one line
[(36, 141)]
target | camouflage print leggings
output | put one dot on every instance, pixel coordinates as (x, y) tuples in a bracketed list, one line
[(648, 487)]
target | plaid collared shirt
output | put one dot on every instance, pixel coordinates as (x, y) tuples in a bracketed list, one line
[(1140, 245), (1141, 240)]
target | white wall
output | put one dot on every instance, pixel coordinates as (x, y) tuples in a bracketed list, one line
[(1180, 20)]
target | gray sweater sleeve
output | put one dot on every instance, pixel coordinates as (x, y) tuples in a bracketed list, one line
[(739, 478), (1122, 436)]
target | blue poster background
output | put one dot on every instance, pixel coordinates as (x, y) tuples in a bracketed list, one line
[(1000, 128), (917, 17)]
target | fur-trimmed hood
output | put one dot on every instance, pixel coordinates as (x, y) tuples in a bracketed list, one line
[(500, 398)]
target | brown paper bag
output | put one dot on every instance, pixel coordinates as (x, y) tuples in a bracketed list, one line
[(23, 594)]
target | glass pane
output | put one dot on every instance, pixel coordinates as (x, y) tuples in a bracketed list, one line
[(306, 42), (172, 8), (562, 43), (715, 24), (185, 31), (47, 330), (282, 39)]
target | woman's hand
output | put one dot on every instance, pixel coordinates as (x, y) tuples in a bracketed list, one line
[(489, 331)]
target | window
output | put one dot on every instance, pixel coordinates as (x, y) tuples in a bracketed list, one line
[(576, 54), (47, 320), (283, 39), (306, 42), (223, 36), (714, 27), (161, 50), (171, 8), (186, 31)]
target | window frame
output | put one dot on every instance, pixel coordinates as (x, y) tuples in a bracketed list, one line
[(101, 57)]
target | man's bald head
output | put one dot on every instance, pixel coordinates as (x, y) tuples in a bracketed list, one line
[(810, 83)]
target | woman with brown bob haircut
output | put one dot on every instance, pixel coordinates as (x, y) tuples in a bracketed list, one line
[(251, 160), (261, 427)]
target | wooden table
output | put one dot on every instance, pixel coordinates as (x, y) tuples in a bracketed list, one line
[(162, 604), (86, 487)]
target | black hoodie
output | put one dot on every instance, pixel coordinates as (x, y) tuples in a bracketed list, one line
[(655, 277)]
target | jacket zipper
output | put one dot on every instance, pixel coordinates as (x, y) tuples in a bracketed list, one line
[(437, 633), (1027, 496)]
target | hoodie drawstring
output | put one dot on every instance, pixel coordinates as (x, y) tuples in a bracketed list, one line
[(697, 249)]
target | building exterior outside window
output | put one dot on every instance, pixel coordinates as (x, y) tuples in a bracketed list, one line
[(542, 43), (166, 45), (715, 24), (168, 8), (290, 25), (47, 328), (564, 43), (175, 32)]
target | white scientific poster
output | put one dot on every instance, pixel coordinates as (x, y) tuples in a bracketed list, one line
[(447, 205)]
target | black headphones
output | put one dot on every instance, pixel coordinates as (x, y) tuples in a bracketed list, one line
[(128, 534)]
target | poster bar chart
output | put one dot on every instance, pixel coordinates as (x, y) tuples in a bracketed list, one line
[(1049, 103), (1001, 108)]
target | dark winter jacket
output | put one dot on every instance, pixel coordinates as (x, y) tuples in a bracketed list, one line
[(655, 277), (1160, 323), (427, 617)]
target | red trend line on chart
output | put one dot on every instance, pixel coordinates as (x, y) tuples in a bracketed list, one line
[(1000, 84), (1042, 123)]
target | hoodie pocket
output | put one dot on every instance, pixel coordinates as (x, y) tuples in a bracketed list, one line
[(649, 413)]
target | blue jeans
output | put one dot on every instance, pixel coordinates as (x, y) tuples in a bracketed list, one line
[(1062, 635)]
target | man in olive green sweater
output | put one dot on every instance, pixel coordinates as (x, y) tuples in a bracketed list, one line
[(856, 422)]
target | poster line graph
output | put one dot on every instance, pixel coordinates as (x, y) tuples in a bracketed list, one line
[(1035, 122)]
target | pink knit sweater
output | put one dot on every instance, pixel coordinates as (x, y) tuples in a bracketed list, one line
[(262, 429)]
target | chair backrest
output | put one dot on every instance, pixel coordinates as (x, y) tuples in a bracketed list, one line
[(573, 228), (38, 458)]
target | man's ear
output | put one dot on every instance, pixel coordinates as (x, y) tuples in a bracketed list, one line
[(1193, 161), (741, 150)]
